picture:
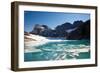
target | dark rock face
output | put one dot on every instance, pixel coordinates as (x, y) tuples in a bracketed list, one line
[(64, 26), (37, 29), (61, 29), (77, 23), (76, 31), (82, 32), (42, 30), (86, 30)]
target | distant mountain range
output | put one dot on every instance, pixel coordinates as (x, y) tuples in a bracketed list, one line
[(76, 31)]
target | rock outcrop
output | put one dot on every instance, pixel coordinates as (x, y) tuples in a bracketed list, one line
[(82, 32), (76, 31)]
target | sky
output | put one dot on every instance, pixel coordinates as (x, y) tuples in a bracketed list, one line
[(51, 19)]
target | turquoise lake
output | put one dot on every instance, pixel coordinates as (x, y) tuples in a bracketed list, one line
[(60, 50)]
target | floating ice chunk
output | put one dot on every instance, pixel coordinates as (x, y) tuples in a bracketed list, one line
[(32, 50)]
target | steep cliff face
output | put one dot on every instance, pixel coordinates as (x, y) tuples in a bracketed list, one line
[(82, 31), (77, 30), (61, 29), (65, 29), (37, 29), (42, 30), (86, 30)]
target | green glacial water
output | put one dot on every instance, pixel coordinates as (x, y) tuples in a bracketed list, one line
[(59, 50)]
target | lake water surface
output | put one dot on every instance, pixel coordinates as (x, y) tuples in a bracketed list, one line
[(60, 50)]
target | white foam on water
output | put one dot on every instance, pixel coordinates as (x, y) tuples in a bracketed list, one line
[(60, 50), (40, 40), (29, 50)]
